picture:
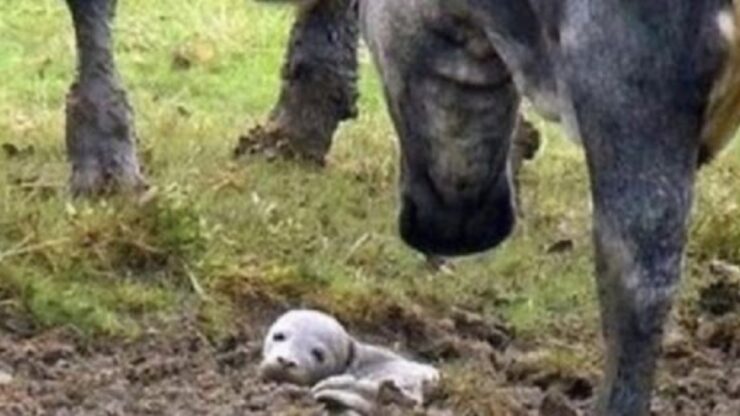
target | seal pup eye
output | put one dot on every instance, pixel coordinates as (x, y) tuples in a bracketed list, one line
[(318, 355), (279, 337)]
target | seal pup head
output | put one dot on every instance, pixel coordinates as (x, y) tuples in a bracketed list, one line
[(304, 347)]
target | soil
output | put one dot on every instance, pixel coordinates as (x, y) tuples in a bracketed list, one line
[(180, 371)]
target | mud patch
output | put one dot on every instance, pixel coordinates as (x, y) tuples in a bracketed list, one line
[(57, 373), (487, 371), (702, 356)]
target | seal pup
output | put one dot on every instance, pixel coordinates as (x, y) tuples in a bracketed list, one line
[(311, 348)]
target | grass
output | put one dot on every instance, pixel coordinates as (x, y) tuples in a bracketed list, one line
[(218, 236)]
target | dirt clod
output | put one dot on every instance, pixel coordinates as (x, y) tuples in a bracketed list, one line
[(720, 298), (12, 151), (561, 246), (474, 326), (556, 404)]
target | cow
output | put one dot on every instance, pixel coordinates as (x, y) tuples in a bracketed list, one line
[(650, 88)]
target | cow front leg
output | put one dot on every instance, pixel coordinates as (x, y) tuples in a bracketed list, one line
[(639, 112), (642, 174), (642, 195), (639, 239), (642, 149), (101, 142), (319, 84)]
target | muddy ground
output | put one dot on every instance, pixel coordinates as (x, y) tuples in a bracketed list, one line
[(179, 371)]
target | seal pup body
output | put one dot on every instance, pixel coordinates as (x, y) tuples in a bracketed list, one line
[(311, 348)]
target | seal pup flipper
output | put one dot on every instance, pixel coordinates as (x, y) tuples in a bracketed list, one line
[(382, 377), (404, 382), (344, 394)]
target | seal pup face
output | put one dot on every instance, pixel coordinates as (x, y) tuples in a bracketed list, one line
[(304, 347)]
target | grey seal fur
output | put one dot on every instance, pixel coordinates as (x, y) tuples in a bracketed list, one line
[(311, 348)]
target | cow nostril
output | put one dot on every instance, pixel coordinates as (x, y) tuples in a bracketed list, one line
[(286, 363)]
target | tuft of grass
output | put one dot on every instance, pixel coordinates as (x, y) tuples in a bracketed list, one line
[(716, 228), (105, 263), (94, 308), (161, 234)]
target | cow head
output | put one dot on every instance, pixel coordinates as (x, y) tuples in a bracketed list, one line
[(456, 187), (455, 107)]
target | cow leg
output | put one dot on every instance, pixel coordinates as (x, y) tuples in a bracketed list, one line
[(319, 84), (641, 207), (101, 142), (642, 194), (640, 125)]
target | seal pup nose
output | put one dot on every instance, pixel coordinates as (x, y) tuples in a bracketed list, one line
[(285, 362)]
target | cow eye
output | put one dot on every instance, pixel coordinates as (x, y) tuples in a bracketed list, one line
[(279, 337), (318, 355)]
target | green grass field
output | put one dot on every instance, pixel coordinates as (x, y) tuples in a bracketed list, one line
[(220, 235)]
